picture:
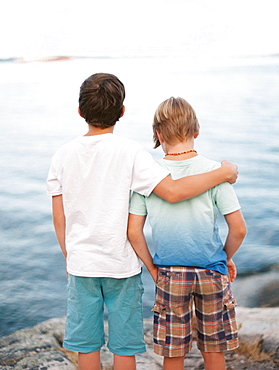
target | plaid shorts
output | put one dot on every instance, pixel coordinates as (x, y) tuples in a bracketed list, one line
[(179, 291)]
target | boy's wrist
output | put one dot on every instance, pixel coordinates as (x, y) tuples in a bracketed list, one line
[(230, 171), (154, 268)]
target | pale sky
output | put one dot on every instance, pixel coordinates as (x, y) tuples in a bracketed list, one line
[(105, 27)]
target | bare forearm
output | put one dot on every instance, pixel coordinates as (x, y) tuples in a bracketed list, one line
[(59, 222), (236, 233), (198, 184), (60, 235), (140, 247), (138, 242), (232, 244), (191, 186)]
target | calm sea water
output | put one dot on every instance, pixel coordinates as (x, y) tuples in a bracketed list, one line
[(237, 105)]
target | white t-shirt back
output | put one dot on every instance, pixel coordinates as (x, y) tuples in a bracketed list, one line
[(95, 175)]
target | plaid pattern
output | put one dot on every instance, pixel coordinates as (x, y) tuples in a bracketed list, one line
[(178, 290)]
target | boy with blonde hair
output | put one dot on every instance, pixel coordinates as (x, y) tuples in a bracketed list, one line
[(90, 179), (190, 264)]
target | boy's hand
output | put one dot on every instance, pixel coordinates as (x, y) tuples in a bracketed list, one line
[(154, 273), (232, 270), (233, 171)]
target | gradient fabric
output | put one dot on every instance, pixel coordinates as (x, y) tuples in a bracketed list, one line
[(186, 233)]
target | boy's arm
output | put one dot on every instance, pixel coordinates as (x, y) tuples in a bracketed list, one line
[(191, 186), (232, 270), (236, 234), (59, 221), (137, 239)]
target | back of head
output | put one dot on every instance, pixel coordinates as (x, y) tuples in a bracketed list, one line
[(175, 120), (101, 100)]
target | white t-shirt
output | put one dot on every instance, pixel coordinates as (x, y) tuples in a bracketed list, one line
[(95, 175)]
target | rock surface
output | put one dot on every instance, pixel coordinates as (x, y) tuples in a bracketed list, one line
[(40, 347)]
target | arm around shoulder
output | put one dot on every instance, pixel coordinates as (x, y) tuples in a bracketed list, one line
[(191, 186)]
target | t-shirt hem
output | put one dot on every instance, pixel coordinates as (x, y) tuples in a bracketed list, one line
[(156, 182), (104, 274), (137, 213), (54, 193), (231, 210), (222, 271)]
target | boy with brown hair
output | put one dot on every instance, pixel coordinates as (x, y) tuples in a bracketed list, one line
[(90, 180), (190, 264)]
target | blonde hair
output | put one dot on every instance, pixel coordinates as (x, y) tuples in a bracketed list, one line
[(175, 120)]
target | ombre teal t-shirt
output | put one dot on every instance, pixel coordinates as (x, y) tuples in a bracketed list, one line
[(186, 233)]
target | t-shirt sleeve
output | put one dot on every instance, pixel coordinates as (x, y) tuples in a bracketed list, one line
[(137, 205), (226, 199), (54, 186), (146, 173)]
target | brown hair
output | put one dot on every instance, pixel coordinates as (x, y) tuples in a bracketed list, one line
[(101, 99), (175, 120)]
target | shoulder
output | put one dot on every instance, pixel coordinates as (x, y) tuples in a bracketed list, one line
[(112, 141), (63, 152), (66, 146), (195, 165), (209, 162), (126, 143)]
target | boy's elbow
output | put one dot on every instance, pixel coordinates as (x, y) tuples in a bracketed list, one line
[(242, 231), (173, 195), (171, 198), (131, 234), (169, 190)]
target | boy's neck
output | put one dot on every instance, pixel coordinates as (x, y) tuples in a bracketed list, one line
[(179, 151), (92, 130)]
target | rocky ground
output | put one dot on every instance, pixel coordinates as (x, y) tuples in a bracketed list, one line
[(40, 347)]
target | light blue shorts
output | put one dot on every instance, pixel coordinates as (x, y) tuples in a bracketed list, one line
[(85, 315)]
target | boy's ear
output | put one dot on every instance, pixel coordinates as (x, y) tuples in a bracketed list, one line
[(197, 134), (122, 111), (79, 112), (159, 136)]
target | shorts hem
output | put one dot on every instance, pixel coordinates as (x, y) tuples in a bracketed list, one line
[(223, 347), (127, 352), (81, 349), (165, 352)]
